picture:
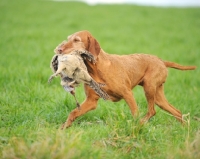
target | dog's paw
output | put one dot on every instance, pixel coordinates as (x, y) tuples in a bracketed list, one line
[(63, 126), (66, 125)]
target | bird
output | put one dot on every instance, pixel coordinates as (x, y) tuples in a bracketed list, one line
[(73, 71)]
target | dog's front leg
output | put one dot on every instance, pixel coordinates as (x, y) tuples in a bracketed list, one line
[(89, 104), (130, 100)]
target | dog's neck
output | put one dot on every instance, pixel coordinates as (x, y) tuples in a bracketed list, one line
[(96, 70)]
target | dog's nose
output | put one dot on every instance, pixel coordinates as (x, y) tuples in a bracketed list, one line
[(60, 50)]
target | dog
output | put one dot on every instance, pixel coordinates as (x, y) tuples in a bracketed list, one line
[(121, 73)]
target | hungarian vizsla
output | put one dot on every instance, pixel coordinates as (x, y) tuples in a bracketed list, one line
[(120, 75)]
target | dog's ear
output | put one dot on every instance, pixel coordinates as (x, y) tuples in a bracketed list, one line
[(87, 55), (77, 38), (93, 46)]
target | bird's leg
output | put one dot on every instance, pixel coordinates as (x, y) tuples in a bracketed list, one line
[(77, 103)]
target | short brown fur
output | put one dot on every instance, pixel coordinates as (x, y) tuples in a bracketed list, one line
[(121, 74)]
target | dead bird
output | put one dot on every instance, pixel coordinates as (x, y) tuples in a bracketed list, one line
[(72, 69)]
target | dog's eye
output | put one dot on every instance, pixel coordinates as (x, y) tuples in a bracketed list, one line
[(77, 39)]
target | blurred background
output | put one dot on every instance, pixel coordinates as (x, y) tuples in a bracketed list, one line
[(33, 110), (164, 3)]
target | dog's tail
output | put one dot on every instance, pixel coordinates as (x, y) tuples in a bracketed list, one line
[(177, 66)]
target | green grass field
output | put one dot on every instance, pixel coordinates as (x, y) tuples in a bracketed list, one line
[(32, 111)]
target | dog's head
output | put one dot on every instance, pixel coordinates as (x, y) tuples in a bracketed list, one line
[(82, 40)]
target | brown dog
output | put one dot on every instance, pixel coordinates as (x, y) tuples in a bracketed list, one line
[(121, 74)]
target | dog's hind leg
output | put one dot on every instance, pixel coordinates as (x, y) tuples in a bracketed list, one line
[(150, 90), (162, 102)]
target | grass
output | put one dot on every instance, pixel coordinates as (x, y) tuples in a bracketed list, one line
[(31, 110)]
